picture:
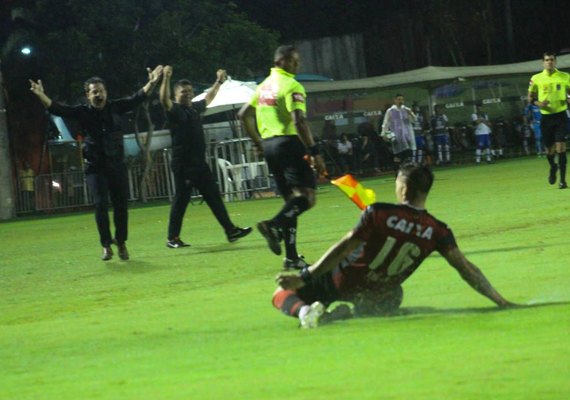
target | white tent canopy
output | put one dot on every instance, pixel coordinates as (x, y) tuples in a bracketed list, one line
[(231, 95), (433, 74)]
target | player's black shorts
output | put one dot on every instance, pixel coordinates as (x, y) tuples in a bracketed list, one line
[(285, 158), (554, 128), (320, 289)]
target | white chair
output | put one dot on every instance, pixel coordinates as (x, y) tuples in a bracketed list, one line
[(232, 179)]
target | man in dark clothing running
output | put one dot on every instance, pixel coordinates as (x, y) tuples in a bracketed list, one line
[(188, 156)]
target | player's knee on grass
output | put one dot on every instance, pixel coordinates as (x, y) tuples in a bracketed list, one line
[(287, 301), (384, 302)]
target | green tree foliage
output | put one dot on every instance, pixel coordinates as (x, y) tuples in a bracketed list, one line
[(118, 39)]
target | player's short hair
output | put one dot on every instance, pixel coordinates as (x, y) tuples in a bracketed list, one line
[(182, 82), (398, 95), (284, 52), (92, 81), (418, 179), (548, 54)]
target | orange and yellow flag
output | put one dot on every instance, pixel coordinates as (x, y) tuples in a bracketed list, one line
[(360, 195)]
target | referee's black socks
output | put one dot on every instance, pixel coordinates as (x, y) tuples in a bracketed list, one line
[(562, 163), (292, 209)]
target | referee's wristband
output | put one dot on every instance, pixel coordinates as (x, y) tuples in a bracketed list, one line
[(314, 150), (306, 275)]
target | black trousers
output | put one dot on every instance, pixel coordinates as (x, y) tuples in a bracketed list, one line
[(110, 181), (201, 178)]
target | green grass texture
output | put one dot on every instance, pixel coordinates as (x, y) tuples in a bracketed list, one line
[(197, 322)]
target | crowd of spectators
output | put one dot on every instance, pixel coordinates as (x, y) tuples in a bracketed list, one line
[(477, 139)]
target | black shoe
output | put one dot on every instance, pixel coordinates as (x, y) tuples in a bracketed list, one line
[(552, 175), (176, 243), (122, 250), (563, 185), (237, 233), (107, 253), (271, 234), (297, 263)]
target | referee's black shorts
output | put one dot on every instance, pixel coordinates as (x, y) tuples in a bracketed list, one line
[(285, 158), (554, 128)]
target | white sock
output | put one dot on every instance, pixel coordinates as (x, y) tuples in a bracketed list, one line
[(303, 311)]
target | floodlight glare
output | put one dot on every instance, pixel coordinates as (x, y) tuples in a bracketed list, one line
[(26, 50)]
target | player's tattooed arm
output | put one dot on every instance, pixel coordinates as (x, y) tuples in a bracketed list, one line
[(474, 277)]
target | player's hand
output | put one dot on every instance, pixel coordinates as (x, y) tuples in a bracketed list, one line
[(545, 104), (37, 88), (167, 71), (289, 282), (154, 74), (222, 75)]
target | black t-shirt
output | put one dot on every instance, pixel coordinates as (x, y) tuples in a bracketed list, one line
[(101, 128), (188, 141)]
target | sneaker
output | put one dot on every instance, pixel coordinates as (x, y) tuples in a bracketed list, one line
[(107, 253), (563, 185), (319, 316), (237, 233), (176, 243), (337, 311), (297, 263), (272, 234), (311, 318), (552, 175)]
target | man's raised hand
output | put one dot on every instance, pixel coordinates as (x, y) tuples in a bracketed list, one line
[(155, 74), (167, 71), (37, 88), (222, 75)]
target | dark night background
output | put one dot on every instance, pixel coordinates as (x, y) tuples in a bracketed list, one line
[(460, 27), (72, 40)]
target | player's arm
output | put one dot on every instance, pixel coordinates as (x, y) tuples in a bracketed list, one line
[(153, 78), (164, 92), (37, 88), (306, 137), (221, 77), (247, 118), (333, 257), (54, 107), (474, 277)]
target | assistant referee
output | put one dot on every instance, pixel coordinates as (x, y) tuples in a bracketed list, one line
[(549, 90), (275, 121)]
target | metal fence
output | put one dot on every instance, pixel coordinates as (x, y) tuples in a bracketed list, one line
[(239, 172)]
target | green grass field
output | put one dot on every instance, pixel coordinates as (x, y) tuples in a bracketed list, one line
[(197, 323)]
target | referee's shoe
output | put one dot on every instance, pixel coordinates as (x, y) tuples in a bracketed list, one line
[(272, 234)]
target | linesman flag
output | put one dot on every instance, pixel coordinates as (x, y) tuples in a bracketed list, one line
[(360, 195)]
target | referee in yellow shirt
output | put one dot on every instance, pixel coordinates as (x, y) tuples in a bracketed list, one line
[(275, 121), (549, 90)]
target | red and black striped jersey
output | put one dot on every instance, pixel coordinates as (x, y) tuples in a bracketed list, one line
[(397, 238)]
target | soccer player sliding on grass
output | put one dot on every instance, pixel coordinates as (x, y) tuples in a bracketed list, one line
[(367, 267)]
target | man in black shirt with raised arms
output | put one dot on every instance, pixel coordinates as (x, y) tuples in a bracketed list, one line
[(105, 169), (188, 156)]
